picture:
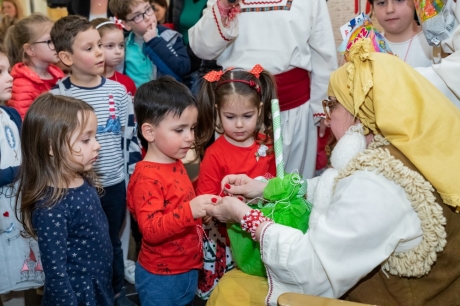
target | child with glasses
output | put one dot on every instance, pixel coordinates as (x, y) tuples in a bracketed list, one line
[(152, 50), (32, 55)]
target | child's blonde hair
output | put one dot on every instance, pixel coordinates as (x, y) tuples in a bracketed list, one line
[(19, 9), (25, 31), (47, 153)]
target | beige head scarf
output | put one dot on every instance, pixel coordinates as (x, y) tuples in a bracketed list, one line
[(392, 99)]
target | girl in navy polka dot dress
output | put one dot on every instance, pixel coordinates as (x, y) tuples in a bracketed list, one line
[(59, 203)]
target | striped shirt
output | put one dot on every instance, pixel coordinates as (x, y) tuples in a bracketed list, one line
[(110, 102)]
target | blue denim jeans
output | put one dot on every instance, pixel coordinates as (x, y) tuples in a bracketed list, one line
[(113, 202), (166, 290)]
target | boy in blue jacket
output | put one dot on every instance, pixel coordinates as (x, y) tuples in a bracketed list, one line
[(151, 50)]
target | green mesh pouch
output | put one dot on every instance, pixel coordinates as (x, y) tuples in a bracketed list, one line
[(286, 205)]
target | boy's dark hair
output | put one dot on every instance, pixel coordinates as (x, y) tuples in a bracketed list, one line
[(122, 8), (371, 2), (156, 99), (65, 30)]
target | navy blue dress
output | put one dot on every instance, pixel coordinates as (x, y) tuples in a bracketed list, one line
[(76, 251)]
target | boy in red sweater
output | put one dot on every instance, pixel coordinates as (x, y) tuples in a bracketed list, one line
[(161, 197)]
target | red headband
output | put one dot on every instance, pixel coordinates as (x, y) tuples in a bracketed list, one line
[(214, 76), (250, 83)]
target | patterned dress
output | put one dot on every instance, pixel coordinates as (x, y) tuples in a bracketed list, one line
[(74, 241), (20, 266)]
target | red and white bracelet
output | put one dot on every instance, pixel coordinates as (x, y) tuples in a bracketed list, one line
[(251, 221)]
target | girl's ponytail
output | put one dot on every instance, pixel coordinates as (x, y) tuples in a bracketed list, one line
[(268, 85), (206, 114)]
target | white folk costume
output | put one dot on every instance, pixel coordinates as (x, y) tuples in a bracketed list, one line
[(20, 265), (379, 232), (281, 35)]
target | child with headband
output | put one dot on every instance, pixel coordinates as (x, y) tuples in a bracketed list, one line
[(239, 106), (113, 47)]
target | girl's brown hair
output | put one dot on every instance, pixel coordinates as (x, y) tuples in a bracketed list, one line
[(102, 29), (25, 31), (47, 159), (213, 95)]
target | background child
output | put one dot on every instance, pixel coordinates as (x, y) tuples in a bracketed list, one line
[(161, 196), (241, 102), (151, 50), (161, 12), (59, 204), (16, 251), (404, 35), (13, 8), (78, 46), (113, 46), (32, 55)]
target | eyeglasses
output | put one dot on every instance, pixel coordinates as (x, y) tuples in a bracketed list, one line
[(328, 106), (139, 17), (49, 42)]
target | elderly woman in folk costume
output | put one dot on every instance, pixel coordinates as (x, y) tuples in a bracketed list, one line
[(384, 228)]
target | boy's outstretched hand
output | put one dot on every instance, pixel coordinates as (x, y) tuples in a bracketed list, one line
[(201, 204)]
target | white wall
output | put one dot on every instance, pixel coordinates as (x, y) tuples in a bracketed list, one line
[(39, 6)]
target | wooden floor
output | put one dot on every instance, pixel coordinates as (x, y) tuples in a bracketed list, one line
[(33, 299)]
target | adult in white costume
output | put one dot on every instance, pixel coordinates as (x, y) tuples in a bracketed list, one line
[(377, 226), (445, 74), (293, 40)]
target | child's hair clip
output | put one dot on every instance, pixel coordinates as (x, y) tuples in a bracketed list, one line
[(256, 70), (118, 23), (214, 76)]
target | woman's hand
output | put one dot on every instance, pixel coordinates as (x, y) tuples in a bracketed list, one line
[(241, 184), (228, 209)]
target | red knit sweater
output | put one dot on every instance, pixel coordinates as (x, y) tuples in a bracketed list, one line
[(159, 199)]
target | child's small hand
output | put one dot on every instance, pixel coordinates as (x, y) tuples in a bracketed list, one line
[(201, 204), (150, 33)]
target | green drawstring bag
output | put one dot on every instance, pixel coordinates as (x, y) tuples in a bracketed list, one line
[(286, 205)]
